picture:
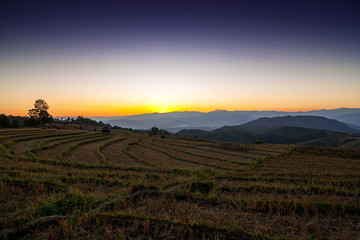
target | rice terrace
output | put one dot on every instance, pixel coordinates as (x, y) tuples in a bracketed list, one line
[(78, 184)]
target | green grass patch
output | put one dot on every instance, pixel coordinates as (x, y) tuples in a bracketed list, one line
[(65, 203)]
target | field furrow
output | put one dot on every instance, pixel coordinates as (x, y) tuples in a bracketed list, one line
[(160, 159), (87, 153), (84, 151), (235, 159), (67, 184), (201, 158), (114, 153)]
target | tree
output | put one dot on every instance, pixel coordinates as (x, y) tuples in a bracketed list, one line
[(154, 130), (4, 121), (40, 113), (16, 123)]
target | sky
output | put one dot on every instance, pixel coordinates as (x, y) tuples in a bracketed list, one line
[(116, 58)]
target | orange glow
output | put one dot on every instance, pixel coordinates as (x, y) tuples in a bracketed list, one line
[(88, 110), (119, 85)]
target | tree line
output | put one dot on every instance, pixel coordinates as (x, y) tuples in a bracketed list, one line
[(39, 117)]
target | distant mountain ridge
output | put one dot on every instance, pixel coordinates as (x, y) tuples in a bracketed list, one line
[(176, 121), (307, 130), (351, 118), (315, 122)]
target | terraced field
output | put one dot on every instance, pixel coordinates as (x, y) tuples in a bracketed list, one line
[(73, 184)]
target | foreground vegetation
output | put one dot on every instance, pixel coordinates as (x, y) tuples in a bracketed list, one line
[(73, 184)]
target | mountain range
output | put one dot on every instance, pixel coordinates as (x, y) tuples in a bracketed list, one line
[(305, 130), (176, 121)]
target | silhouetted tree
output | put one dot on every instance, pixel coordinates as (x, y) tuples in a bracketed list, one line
[(4, 121), (16, 123), (40, 113), (154, 130)]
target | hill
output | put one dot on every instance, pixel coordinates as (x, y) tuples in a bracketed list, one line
[(315, 122), (284, 130), (351, 118)]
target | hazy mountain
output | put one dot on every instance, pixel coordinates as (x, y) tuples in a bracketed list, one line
[(352, 118), (175, 121), (308, 130), (315, 122), (352, 126), (282, 135), (331, 113)]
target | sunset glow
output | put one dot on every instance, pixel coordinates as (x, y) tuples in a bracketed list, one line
[(133, 65)]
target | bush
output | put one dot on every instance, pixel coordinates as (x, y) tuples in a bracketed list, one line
[(62, 204), (203, 187), (204, 173), (31, 122), (4, 121), (48, 209)]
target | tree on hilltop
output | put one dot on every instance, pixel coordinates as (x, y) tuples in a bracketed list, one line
[(39, 113)]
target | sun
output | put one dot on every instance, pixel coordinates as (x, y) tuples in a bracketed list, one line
[(163, 109)]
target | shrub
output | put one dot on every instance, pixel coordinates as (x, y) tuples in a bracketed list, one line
[(203, 187), (204, 173), (62, 204), (4, 121)]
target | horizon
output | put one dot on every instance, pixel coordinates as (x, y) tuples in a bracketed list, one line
[(194, 111), (285, 111), (113, 58)]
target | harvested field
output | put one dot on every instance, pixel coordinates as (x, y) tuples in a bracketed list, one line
[(114, 153), (73, 184)]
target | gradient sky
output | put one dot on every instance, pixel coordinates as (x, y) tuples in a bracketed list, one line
[(113, 58)]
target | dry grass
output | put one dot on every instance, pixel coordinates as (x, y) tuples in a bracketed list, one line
[(218, 154), (173, 189), (114, 153)]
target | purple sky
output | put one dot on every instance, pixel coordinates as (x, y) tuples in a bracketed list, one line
[(329, 25), (194, 55)]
